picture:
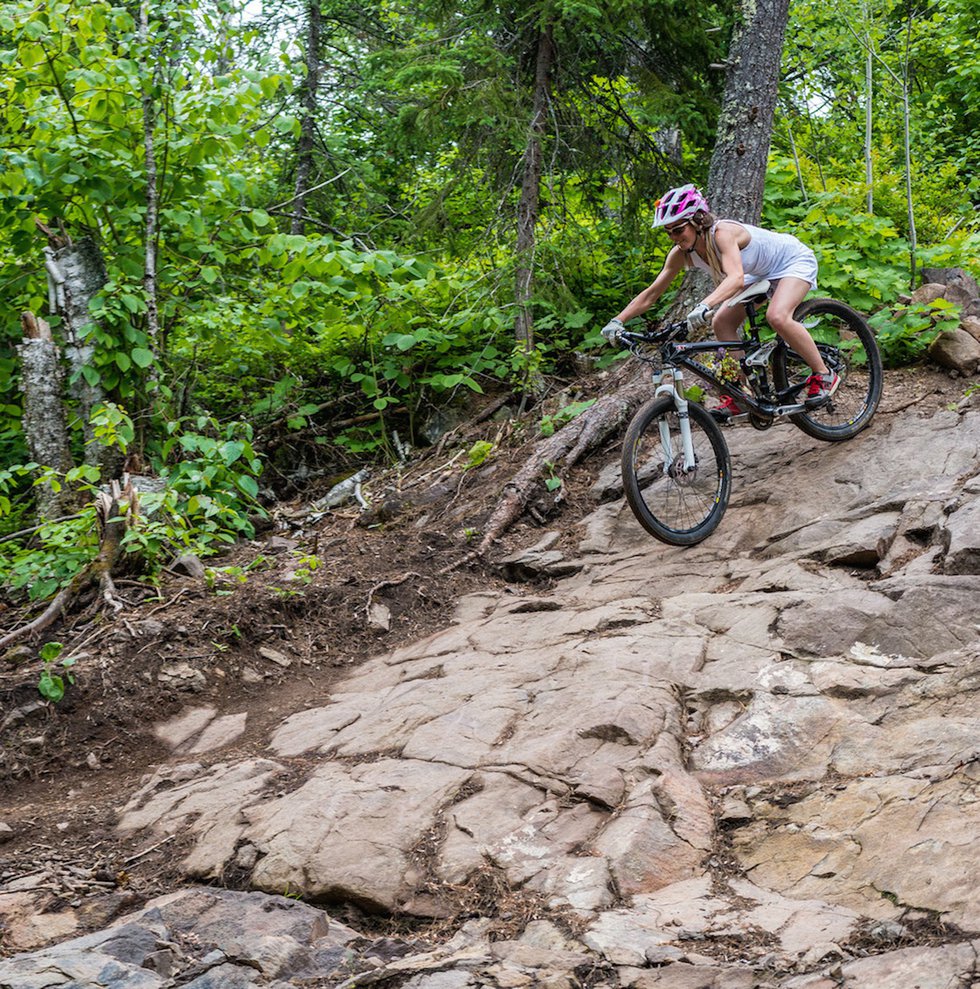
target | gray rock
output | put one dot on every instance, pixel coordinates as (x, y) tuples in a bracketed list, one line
[(963, 528), (805, 681), (961, 285), (189, 564), (957, 350)]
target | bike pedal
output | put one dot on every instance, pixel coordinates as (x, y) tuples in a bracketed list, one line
[(725, 420)]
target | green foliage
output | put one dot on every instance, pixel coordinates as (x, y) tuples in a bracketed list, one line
[(38, 567), (905, 332), (210, 474), (51, 685), (478, 454), (551, 423), (552, 482)]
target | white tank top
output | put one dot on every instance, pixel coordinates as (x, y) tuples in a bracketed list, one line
[(769, 255)]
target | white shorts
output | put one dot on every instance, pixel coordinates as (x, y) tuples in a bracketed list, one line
[(803, 265)]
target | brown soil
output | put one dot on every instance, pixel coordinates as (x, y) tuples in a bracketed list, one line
[(67, 768)]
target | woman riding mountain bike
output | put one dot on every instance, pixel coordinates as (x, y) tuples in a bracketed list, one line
[(736, 255)]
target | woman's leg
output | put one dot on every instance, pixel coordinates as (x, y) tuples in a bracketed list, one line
[(789, 293), (726, 322)]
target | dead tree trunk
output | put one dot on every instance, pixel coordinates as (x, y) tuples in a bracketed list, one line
[(45, 426), (530, 203), (566, 447), (117, 510)]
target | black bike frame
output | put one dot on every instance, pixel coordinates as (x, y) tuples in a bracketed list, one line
[(676, 353)]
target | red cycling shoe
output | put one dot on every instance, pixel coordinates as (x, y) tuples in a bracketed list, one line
[(725, 409)]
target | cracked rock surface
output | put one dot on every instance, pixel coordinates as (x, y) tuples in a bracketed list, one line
[(750, 763)]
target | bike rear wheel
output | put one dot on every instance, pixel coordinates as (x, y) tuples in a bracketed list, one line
[(677, 506), (847, 345)]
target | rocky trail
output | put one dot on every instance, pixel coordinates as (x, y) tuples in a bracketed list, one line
[(746, 765)]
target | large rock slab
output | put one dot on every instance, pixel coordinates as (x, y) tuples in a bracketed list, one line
[(760, 747), (197, 937)]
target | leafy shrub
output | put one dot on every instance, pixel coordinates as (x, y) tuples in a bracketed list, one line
[(905, 332), (210, 497)]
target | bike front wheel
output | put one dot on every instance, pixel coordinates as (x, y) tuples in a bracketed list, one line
[(848, 346), (680, 504)]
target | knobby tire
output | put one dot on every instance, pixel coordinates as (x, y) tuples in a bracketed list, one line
[(680, 509), (851, 408)]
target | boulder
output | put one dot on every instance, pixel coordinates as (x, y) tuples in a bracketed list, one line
[(961, 287), (928, 292), (957, 350)]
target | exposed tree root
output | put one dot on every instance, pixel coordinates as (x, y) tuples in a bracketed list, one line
[(116, 511), (565, 447)]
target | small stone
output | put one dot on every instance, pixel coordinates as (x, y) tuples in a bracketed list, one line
[(274, 656), (92, 761), (246, 856), (888, 930), (6, 832), (183, 676), (379, 617), (189, 564)]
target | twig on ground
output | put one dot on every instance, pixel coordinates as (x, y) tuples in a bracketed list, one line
[(388, 583), (146, 851), (167, 604)]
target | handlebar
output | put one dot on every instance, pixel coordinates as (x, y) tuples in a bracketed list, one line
[(669, 331)]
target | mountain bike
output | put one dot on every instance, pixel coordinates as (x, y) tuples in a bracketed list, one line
[(676, 462)]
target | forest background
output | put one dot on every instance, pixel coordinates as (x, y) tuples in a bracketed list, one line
[(318, 224)]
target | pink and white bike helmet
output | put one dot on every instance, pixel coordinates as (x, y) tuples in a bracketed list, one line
[(679, 204)]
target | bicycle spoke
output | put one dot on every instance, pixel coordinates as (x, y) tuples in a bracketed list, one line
[(848, 347), (674, 503)]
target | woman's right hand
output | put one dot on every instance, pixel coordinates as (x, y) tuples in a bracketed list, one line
[(612, 329)]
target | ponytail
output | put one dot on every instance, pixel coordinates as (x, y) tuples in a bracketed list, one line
[(704, 222)]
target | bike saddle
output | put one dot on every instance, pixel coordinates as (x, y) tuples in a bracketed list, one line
[(755, 291)]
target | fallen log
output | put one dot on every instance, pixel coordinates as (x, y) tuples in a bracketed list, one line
[(566, 448)]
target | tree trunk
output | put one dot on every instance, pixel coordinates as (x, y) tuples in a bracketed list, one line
[(45, 427), (304, 156), (737, 176), (76, 273), (530, 203), (869, 131), (152, 204)]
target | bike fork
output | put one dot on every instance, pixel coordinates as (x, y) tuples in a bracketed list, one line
[(667, 382)]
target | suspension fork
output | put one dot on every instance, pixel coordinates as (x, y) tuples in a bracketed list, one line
[(667, 382)]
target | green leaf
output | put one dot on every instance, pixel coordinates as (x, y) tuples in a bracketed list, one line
[(50, 651), (247, 484), (51, 687), (231, 451), (142, 357)]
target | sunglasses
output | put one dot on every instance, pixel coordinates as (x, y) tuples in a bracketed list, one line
[(676, 231)]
